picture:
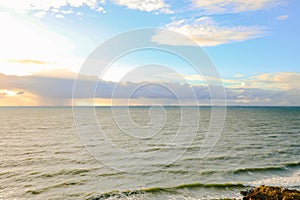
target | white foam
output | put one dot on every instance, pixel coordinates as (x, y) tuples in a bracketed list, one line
[(288, 181)]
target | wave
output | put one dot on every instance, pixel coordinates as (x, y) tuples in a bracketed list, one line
[(218, 186), (73, 172), (128, 193), (59, 185), (284, 166), (296, 164), (67, 172)]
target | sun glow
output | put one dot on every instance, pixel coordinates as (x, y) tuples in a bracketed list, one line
[(9, 92)]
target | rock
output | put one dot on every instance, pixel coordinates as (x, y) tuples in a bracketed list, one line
[(271, 193), (246, 192)]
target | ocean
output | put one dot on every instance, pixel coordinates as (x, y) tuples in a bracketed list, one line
[(146, 152)]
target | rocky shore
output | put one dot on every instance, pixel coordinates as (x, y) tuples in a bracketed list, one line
[(271, 193)]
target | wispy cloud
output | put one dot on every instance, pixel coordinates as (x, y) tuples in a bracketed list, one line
[(274, 81), (58, 8), (268, 81), (41, 8), (233, 6), (146, 5), (238, 75), (283, 17), (206, 32), (28, 61)]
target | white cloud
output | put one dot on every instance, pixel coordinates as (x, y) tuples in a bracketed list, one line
[(283, 17), (59, 16), (40, 14), (79, 14), (67, 11), (233, 6), (40, 8), (101, 9), (205, 32), (146, 5)]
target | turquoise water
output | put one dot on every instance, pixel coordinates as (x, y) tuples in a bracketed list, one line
[(42, 156)]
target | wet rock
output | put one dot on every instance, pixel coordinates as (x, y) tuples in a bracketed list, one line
[(271, 193), (246, 192)]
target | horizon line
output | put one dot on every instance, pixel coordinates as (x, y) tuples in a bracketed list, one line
[(58, 106)]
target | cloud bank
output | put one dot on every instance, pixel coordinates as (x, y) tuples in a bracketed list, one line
[(266, 89)]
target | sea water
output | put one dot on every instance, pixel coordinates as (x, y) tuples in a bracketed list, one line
[(48, 153)]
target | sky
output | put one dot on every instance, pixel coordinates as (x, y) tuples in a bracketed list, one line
[(252, 45)]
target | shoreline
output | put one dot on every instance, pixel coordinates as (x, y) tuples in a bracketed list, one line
[(252, 193)]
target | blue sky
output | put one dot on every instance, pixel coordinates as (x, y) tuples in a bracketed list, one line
[(254, 44)]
